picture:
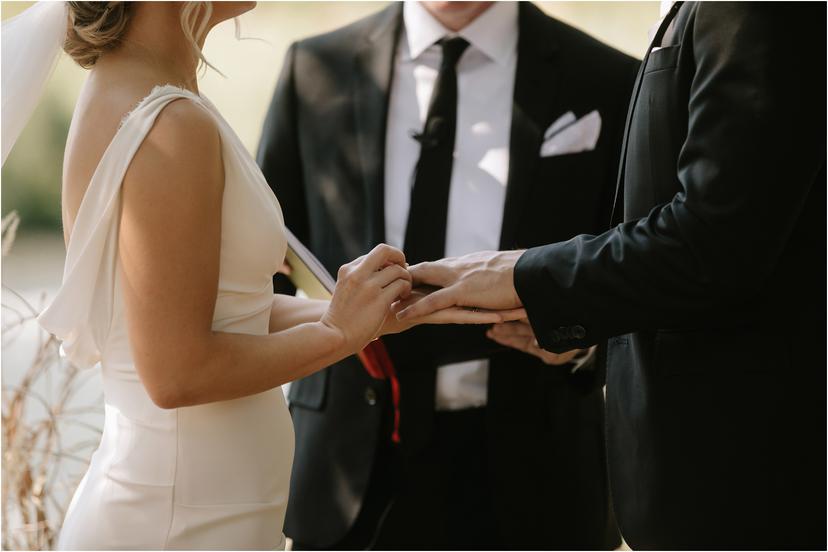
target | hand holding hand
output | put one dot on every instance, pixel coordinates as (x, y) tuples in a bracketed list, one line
[(365, 290), (519, 335), (481, 280), (451, 315)]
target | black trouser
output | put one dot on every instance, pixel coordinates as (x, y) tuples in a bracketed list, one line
[(439, 498), (444, 501)]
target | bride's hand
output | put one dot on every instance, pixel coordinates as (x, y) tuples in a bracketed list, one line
[(365, 290), (451, 315)]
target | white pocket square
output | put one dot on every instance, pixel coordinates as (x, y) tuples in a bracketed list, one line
[(570, 135)]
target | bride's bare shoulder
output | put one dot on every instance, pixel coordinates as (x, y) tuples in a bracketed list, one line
[(183, 142), (184, 128), (102, 107), (180, 156)]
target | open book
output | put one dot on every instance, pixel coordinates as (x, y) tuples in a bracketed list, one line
[(309, 275)]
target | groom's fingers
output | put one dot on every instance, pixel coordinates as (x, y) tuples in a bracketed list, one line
[(514, 329), (440, 299), (432, 274), (515, 342)]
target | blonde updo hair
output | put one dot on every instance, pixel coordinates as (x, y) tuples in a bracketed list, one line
[(95, 28)]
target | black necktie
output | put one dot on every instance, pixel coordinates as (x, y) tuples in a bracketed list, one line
[(425, 233)]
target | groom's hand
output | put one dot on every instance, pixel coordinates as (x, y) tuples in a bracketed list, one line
[(482, 280), (519, 335)]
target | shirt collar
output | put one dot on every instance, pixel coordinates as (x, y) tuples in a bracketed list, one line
[(494, 32)]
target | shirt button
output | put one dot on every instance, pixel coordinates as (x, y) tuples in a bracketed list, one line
[(578, 332), (370, 396)]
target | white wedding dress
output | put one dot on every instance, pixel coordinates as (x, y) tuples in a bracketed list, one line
[(214, 476)]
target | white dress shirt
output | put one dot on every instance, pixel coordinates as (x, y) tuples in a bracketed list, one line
[(485, 87)]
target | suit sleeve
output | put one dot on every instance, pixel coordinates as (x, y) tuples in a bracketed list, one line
[(280, 159), (593, 372), (755, 142)]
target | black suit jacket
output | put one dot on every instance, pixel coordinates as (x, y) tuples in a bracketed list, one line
[(716, 401), (322, 151)]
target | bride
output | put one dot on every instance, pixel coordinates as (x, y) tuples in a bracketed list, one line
[(172, 240)]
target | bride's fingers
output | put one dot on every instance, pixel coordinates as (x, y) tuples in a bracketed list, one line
[(389, 274), (393, 291), (379, 257), (416, 295), (458, 315), (441, 299)]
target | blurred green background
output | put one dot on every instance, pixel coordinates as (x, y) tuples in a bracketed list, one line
[(31, 177)]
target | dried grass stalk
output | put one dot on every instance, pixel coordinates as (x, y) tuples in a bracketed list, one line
[(36, 480)]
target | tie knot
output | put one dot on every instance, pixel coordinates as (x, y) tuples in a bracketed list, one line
[(453, 48)]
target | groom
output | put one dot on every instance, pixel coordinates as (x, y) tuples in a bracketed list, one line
[(712, 290), (442, 128)]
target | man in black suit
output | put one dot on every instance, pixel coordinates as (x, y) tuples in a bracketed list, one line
[(716, 400), (444, 128)]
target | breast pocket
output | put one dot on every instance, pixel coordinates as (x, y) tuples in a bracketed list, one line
[(662, 58)]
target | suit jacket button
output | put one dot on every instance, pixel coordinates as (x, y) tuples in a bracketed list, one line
[(578, 332), (370, 396)]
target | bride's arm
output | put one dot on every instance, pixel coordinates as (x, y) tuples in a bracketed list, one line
[(287, 311), (169, 246)]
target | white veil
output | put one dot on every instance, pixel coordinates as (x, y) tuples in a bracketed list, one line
[(31, 43)]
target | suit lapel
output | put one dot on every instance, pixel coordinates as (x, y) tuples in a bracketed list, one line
[(374, 65), (619, 185), (534, 96)]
